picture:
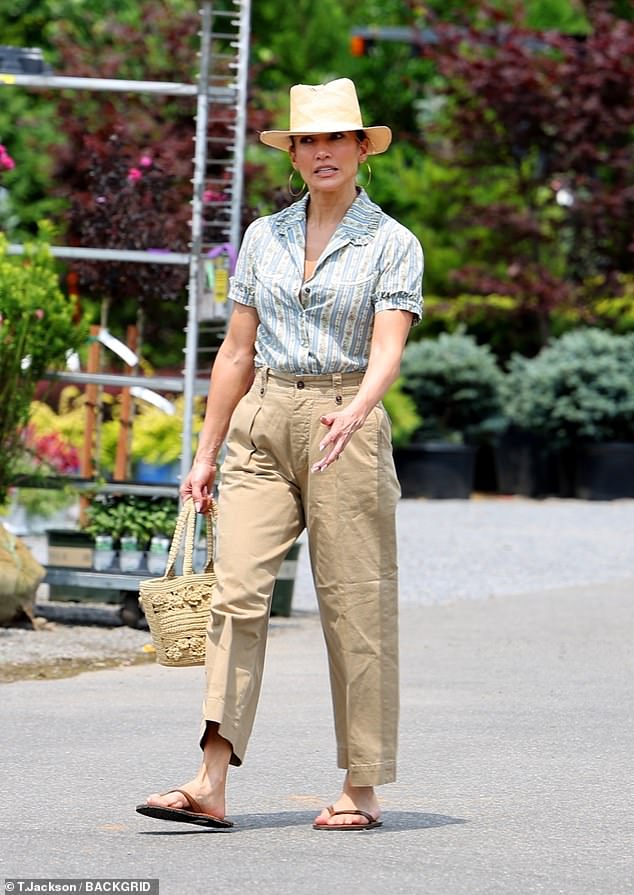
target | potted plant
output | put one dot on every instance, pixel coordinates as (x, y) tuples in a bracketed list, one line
[(37, 506), (455, 386), (577, 396), (131, 524)]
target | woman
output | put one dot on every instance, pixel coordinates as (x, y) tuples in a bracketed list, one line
[(325, 292)]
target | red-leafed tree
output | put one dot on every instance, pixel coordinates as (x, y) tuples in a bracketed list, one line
[(126, 166), (544, 122)]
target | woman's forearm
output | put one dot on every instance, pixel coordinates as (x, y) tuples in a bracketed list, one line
[(384, 363), (383, 370)]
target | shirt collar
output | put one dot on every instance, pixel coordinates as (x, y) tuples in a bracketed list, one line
[(358, 225)]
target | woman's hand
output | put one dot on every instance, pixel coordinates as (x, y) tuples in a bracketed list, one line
[(199, 483), (342, 425), (388, 338)]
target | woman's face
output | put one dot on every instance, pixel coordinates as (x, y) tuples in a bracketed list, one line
[(328, 161)]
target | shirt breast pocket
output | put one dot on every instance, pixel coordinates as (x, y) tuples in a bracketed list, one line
[(351, 299)]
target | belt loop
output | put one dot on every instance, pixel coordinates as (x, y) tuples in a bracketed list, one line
[(337, 384)]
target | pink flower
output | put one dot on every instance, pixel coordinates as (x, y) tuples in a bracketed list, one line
[(213, 196), (6, 162), (39, 314), (134, 175), (53, 450), (145, 161)]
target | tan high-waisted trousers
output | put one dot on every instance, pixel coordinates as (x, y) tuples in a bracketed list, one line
[(268, 495)]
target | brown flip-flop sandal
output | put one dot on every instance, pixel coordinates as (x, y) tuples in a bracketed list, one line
[(372, 822), (182, 815)]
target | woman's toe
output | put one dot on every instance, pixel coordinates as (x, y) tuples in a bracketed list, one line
[(168, 800)]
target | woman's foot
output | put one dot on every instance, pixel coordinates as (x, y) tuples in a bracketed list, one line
[(206, 797), (355, 798), (207, 789)]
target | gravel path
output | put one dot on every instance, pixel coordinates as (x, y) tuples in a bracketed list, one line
[(449, 551), (57, 650)]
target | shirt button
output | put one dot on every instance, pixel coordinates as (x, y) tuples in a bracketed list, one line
[(300, 384), (307, 290)]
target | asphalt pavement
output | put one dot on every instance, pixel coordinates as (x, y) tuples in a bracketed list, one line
[(515, 764)]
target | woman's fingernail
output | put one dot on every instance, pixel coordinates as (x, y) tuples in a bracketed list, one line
[(197, 505), (316, 468)]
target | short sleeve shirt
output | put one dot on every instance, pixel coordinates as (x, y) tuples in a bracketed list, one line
[(324, 325)]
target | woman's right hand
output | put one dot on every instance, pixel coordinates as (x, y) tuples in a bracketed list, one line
[(198, 484)]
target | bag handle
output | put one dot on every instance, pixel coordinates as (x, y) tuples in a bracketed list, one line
[(186, 524)]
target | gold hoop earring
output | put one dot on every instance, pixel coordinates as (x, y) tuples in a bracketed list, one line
[(295, 193), (369, 180)]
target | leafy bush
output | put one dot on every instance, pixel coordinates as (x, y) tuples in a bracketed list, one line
[(38, 327), (581, 387), (402, 413), (456, 387)]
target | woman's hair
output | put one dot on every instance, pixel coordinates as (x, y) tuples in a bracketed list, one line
[(360, 135)]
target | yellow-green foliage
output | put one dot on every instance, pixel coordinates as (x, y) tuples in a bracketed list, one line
[(402, 412), (156, 436), (69, 423)]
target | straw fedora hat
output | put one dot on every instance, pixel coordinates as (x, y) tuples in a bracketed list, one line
[(325, 109)]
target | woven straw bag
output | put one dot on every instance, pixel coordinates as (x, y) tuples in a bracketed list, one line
[(177, 607)]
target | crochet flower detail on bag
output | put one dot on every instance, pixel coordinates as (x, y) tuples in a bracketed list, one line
[(193, 597), (189, 646), (174, 601)]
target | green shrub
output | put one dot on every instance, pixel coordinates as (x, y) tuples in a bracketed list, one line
[(38, 327), (402, 413), (456, 387), (579, 388)]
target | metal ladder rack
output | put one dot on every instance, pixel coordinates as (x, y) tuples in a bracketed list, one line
[(218, 178)]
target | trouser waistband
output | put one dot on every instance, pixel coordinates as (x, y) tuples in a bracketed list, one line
[(336, 384), (294, 379)]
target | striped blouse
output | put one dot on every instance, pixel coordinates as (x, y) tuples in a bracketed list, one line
[(324, 325)]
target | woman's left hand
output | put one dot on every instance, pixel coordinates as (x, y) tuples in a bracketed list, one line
[(342, 425)]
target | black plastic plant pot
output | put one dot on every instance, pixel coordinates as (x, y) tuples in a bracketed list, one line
[(436, 470), (604, 471), (285, 583), (524, 466)]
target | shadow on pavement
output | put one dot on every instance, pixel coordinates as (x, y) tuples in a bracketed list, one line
[(394, 822)]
